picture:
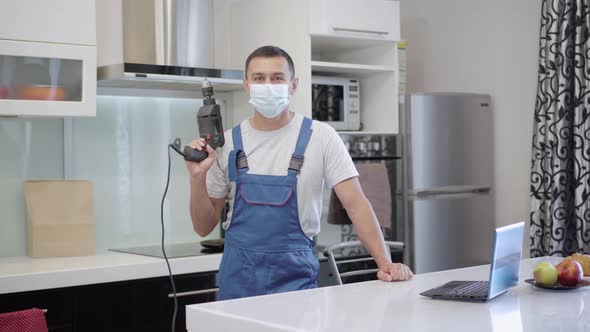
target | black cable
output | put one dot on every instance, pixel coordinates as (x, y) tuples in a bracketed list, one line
[(163, 248)]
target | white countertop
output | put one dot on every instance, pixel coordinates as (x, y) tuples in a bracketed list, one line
[(18, 274), (381, 306)]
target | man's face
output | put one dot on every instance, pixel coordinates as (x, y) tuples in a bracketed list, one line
[(270, 70)]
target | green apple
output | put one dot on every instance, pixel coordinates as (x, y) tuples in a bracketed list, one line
[(545, 274)]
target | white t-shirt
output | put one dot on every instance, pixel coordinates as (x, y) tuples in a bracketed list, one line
[(269, 152)]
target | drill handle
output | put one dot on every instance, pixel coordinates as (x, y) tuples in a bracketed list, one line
[(195, 155), (189, 153)]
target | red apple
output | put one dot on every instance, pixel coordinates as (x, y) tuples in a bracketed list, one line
[(3, 92), (569, 273)]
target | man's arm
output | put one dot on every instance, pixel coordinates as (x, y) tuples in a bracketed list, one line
[(205, 211), (367, 227)]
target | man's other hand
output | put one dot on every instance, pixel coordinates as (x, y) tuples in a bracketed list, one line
[(394, 272)]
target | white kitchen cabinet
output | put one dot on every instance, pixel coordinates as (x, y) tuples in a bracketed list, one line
[(47, 58), (370, 19), (44, 79), (55, 21)]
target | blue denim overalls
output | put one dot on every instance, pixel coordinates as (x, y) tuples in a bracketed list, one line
[(266, 251)]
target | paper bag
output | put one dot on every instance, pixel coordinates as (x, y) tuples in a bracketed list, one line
[(60, 218)]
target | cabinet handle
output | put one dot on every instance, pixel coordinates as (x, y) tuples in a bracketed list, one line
[(374, 32), (197, 292)]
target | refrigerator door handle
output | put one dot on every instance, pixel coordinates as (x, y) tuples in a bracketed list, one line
[(450, 191)]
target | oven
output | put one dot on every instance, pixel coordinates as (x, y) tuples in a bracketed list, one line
[(379, 162)]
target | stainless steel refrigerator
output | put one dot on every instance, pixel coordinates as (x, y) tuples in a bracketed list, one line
[(448, 198)]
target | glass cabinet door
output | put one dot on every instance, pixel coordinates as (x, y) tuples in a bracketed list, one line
[(36, 78), (44, 79)]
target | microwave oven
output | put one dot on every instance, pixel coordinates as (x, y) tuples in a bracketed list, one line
[(336, 101)]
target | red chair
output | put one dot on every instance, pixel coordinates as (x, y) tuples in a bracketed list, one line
[(30, 320)]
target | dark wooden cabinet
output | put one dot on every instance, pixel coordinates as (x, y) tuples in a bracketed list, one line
[(135, 305), (106, 307), (190, 289), (57, 303), (157, 297), (150, 294)]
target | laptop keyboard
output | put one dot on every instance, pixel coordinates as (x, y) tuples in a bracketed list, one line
[(476, 289)]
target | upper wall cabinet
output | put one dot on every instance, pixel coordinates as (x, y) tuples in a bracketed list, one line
[(47, 58), (371, 19), (357, 40), (55, 21)]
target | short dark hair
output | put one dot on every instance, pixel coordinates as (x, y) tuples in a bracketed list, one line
[(270, 51)]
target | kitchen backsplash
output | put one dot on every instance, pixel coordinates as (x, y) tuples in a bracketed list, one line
[(123, 151), (30, 149)]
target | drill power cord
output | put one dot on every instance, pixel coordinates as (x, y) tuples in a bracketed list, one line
[(173, 327), (209, 122)]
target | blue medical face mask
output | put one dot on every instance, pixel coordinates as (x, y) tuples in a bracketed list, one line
[(269, 99)]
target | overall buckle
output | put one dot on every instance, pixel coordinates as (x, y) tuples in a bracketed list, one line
[(296, 162)]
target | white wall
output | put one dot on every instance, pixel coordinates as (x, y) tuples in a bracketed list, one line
[(488, 47)]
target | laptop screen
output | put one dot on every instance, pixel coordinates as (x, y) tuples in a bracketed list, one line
[(506, 258)]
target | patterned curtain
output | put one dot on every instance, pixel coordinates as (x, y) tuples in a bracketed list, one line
[(560, 175)]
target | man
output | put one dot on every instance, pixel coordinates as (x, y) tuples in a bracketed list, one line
[(272, 169)]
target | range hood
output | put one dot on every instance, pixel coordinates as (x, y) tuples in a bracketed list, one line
[(164, 77), (167, 44)]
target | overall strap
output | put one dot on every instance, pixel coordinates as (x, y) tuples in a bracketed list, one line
[(236, 133), (237, 162), (297, 158)]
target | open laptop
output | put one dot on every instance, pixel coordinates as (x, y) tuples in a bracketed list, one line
[(506, 256)]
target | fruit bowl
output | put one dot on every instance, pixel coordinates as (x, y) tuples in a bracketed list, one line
[(558, 286)]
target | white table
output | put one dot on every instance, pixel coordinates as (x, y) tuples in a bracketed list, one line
[(380, 306)]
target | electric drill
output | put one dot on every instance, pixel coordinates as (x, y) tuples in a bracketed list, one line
[(210, 126)]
